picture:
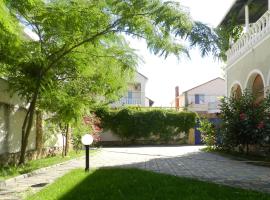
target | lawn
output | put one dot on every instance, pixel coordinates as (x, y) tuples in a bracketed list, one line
[(135, 184), (11, 171)]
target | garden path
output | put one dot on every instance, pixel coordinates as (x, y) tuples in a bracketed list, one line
[(185, 161)]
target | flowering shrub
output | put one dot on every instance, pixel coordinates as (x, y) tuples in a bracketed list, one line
[(245, 122)]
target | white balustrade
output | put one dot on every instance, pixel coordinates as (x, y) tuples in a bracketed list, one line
[(130, 101), (256, 33)]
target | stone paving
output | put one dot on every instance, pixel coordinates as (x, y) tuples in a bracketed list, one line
[(185, 161), (188, 161), (17, 189)]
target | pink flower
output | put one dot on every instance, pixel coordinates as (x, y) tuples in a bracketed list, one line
[(256, 105), (260, 125), (243, 116)]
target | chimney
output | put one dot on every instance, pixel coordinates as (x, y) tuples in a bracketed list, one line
[(177, 97)]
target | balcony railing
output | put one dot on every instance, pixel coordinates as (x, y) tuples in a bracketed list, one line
[(213, 106), (256, 33), (127, 101), (130, 101)]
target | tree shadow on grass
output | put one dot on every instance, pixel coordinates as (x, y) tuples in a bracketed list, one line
[(135, 184)]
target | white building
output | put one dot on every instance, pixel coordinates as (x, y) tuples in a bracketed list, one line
[(204, 98), (248, 59), (136, 93)]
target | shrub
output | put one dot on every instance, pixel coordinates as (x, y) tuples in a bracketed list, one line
[(78, 131), (132, 123), (245, 122), (208, 131)]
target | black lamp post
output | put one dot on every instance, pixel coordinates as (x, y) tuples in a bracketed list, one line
[(87, 140)]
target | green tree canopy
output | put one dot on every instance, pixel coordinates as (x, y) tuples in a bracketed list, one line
[(81, 53)]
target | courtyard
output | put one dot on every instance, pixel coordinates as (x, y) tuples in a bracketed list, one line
[(182, 161)]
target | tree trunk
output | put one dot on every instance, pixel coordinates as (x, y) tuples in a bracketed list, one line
[(27, 124), (67, 140), (63, 144), (26, 129), (247, 149), (39, 134)]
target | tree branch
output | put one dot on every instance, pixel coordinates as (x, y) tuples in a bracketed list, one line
[(105, 31)]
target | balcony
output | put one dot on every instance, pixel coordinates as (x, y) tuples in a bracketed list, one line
[(213, 107), (256, 34), (127, 101), (130, 101)]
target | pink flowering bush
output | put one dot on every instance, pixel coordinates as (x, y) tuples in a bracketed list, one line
[(244, 121)]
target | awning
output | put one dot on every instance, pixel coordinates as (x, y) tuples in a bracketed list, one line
[(256, 9)]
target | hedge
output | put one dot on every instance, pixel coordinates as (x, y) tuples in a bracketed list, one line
[(130, 123)]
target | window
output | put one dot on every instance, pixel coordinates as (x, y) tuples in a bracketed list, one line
[(129, 97), (199, 98)]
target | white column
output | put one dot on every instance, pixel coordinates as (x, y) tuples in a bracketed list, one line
[(247, 17)]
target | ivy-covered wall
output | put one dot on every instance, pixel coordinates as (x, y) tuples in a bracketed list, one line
[(133, 124)]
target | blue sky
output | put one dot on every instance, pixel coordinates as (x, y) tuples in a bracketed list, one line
[(164, 75)]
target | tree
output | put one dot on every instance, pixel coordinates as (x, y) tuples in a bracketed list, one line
[(83, 39)]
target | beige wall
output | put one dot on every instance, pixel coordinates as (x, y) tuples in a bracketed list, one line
[(108, 136), (214, 88), (256, 60), (12, 113), (211, 90), (6, 97)]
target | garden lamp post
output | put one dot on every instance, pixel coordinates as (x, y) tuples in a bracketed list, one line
[(87, 140)]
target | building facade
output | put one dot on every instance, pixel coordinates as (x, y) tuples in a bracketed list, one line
[(136, 93), (248, 59), (204, 98)]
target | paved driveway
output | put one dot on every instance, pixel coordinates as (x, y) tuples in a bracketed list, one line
[(187, 161)]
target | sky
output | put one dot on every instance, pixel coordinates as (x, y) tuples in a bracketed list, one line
[(163, 75)]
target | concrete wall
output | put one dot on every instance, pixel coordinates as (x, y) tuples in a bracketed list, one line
[(12, 112), (256, 60), (108, 136)]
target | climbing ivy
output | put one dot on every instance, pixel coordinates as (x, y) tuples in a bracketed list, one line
[(130, 123)]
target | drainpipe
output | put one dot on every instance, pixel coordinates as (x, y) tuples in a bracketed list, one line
[(268, 4), (177, 97), (247, 17)]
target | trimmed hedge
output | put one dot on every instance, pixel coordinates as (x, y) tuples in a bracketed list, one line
[(133, 123)]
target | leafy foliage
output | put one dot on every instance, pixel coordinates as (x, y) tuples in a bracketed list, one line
[(245, 122), (230, 31), (208, 132), (78, 131), (130, 123), (78, 55)]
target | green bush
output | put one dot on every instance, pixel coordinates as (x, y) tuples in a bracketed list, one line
[(208, 132), (132, 123), (245, 121)]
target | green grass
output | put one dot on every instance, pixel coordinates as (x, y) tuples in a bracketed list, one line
[(134, 184), (12, 171)]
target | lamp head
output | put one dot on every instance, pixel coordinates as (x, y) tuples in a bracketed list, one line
[(87, 139)]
